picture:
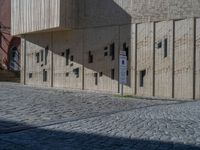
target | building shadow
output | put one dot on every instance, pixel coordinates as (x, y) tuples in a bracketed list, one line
[(102, 28), (26, 137)]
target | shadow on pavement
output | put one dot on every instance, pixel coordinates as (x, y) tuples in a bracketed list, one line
[(45, 139)]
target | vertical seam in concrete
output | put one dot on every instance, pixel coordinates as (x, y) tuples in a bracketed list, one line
[(118, 59), (52, 59), (173, 57), (194, 59), (136, 26), (24, 61), (83, 61), (154, 35)]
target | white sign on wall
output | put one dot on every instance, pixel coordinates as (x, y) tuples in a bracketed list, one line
[(123, 68)]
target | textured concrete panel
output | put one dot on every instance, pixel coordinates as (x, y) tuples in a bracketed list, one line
[(197, 59), (63, 74), (145, 58), (184, 58), (98, 42), (163, 64)]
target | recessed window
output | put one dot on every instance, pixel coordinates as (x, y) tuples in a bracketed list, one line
[(112, 74), (90, 57), (67, 56), (165, 48), (106, 48), (46, 54), (42, 55), (76, 72), (112, 51), (142, 76), (67, 74), (44, 75), (159, 45), (101, 74), (126, 49), (30, 75), (63, 54), (96, 78), (72, 58), (105, 53), (37, 57)]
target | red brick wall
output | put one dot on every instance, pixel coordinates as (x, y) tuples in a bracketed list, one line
[(6, 40)]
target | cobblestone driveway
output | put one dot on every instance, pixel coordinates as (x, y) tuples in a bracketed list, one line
[(49, 119)]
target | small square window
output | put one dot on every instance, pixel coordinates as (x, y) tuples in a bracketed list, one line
[(30, 75), (72, 58), (101, 74), (67, 74), (159, 45), (62, 54), (76, 72), (105, 53)]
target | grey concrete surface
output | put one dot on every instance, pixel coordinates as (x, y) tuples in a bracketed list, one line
[(54, 119)]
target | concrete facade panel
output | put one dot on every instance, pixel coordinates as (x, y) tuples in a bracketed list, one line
[(184, 57), (197, 75), (145, 59), (163, 58)]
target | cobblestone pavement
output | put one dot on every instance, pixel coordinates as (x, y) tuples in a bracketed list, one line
[(54, 119)]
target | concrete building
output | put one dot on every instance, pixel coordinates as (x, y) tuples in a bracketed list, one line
[(76, 44), (9, 45)]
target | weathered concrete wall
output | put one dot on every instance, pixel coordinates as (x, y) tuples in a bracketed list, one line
[(145, 58), (34, 45), (139, 39), (63, 74), (184, 57), (59, 14), (34, 15), (98, 42), (163, 63), (197, 59)]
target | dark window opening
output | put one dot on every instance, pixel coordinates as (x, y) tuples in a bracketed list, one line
[(112, 51), (76, 72), (46, 54), (127, 72), (90, 57), (106, 54), (101, 74), (37, 57), (67, 56), (165, 48), (142, 76), (72, 58), (30, 75), (112, 74), (67, 74), (44, 75), (71, 65), (63, 54), (96, 78), (106, 48), (42, 55), (126, 49), (159, 45)]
